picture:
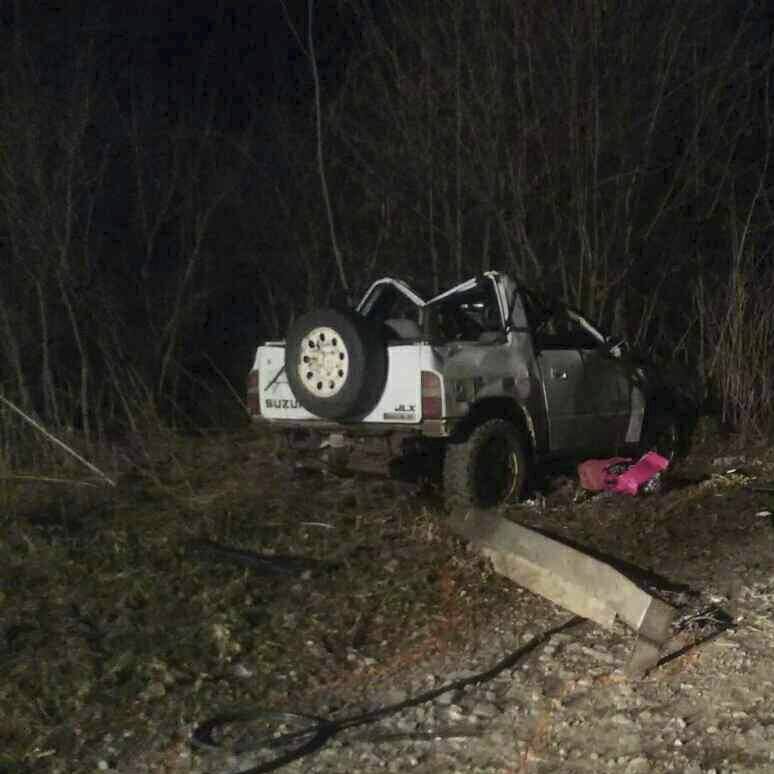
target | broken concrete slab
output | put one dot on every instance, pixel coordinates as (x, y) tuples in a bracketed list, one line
[(578, 582)]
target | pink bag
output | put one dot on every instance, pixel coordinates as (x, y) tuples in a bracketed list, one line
[(642, 471), (596, 475)]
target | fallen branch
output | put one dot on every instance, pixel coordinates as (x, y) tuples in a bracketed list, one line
[(57, 441), (46, 479)]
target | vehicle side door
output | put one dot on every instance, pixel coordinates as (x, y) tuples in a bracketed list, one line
[(581, 386)]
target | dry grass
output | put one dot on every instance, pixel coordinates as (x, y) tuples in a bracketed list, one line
[(114, 631), (738, 332)]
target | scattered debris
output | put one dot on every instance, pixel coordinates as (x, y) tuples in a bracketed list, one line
[(710, 618), (334, 441), (729, 462)]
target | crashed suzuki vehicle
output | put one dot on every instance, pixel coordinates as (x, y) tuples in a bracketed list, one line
[(499, 378)]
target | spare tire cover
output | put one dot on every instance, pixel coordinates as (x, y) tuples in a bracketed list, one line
[(336, 363)]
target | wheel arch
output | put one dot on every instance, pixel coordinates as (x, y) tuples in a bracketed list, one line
[(497, 408)]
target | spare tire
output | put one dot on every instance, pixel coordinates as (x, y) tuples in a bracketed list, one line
[(336, 363)]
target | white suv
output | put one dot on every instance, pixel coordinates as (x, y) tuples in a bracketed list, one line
[(501, 377)]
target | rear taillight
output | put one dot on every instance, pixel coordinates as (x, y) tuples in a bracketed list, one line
[(432, 396), (253, 395)]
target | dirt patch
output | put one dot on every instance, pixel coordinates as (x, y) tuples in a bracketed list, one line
[(122, 626)]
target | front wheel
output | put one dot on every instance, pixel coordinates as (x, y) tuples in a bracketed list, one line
[(486, 469)]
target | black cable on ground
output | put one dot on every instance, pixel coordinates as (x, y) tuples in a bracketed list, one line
[(320, 730), (264, 564), (308, 739)]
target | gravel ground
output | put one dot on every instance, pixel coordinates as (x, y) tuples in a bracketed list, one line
[(567, 707)]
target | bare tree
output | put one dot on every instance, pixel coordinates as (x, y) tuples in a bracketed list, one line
[(309, 50)]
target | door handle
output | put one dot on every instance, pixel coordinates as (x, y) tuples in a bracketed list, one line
[(556, 374)]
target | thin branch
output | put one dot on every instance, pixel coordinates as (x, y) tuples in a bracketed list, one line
[(57, 441), (310, 53), (321, 157)]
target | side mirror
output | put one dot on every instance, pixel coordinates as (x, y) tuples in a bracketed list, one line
[(615, 348)]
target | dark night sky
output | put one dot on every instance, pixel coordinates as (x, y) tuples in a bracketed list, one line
[(242, 50)]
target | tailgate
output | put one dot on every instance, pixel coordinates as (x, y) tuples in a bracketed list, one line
[(400, 402), (277, 399)]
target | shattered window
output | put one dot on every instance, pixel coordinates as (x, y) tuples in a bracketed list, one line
[(401, 317), (466, 316), (392, 304)]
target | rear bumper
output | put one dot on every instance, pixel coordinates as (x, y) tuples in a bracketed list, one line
[(430, 428)]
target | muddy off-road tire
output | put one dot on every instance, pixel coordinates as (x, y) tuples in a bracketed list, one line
[(336, 363), (487, 468)]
